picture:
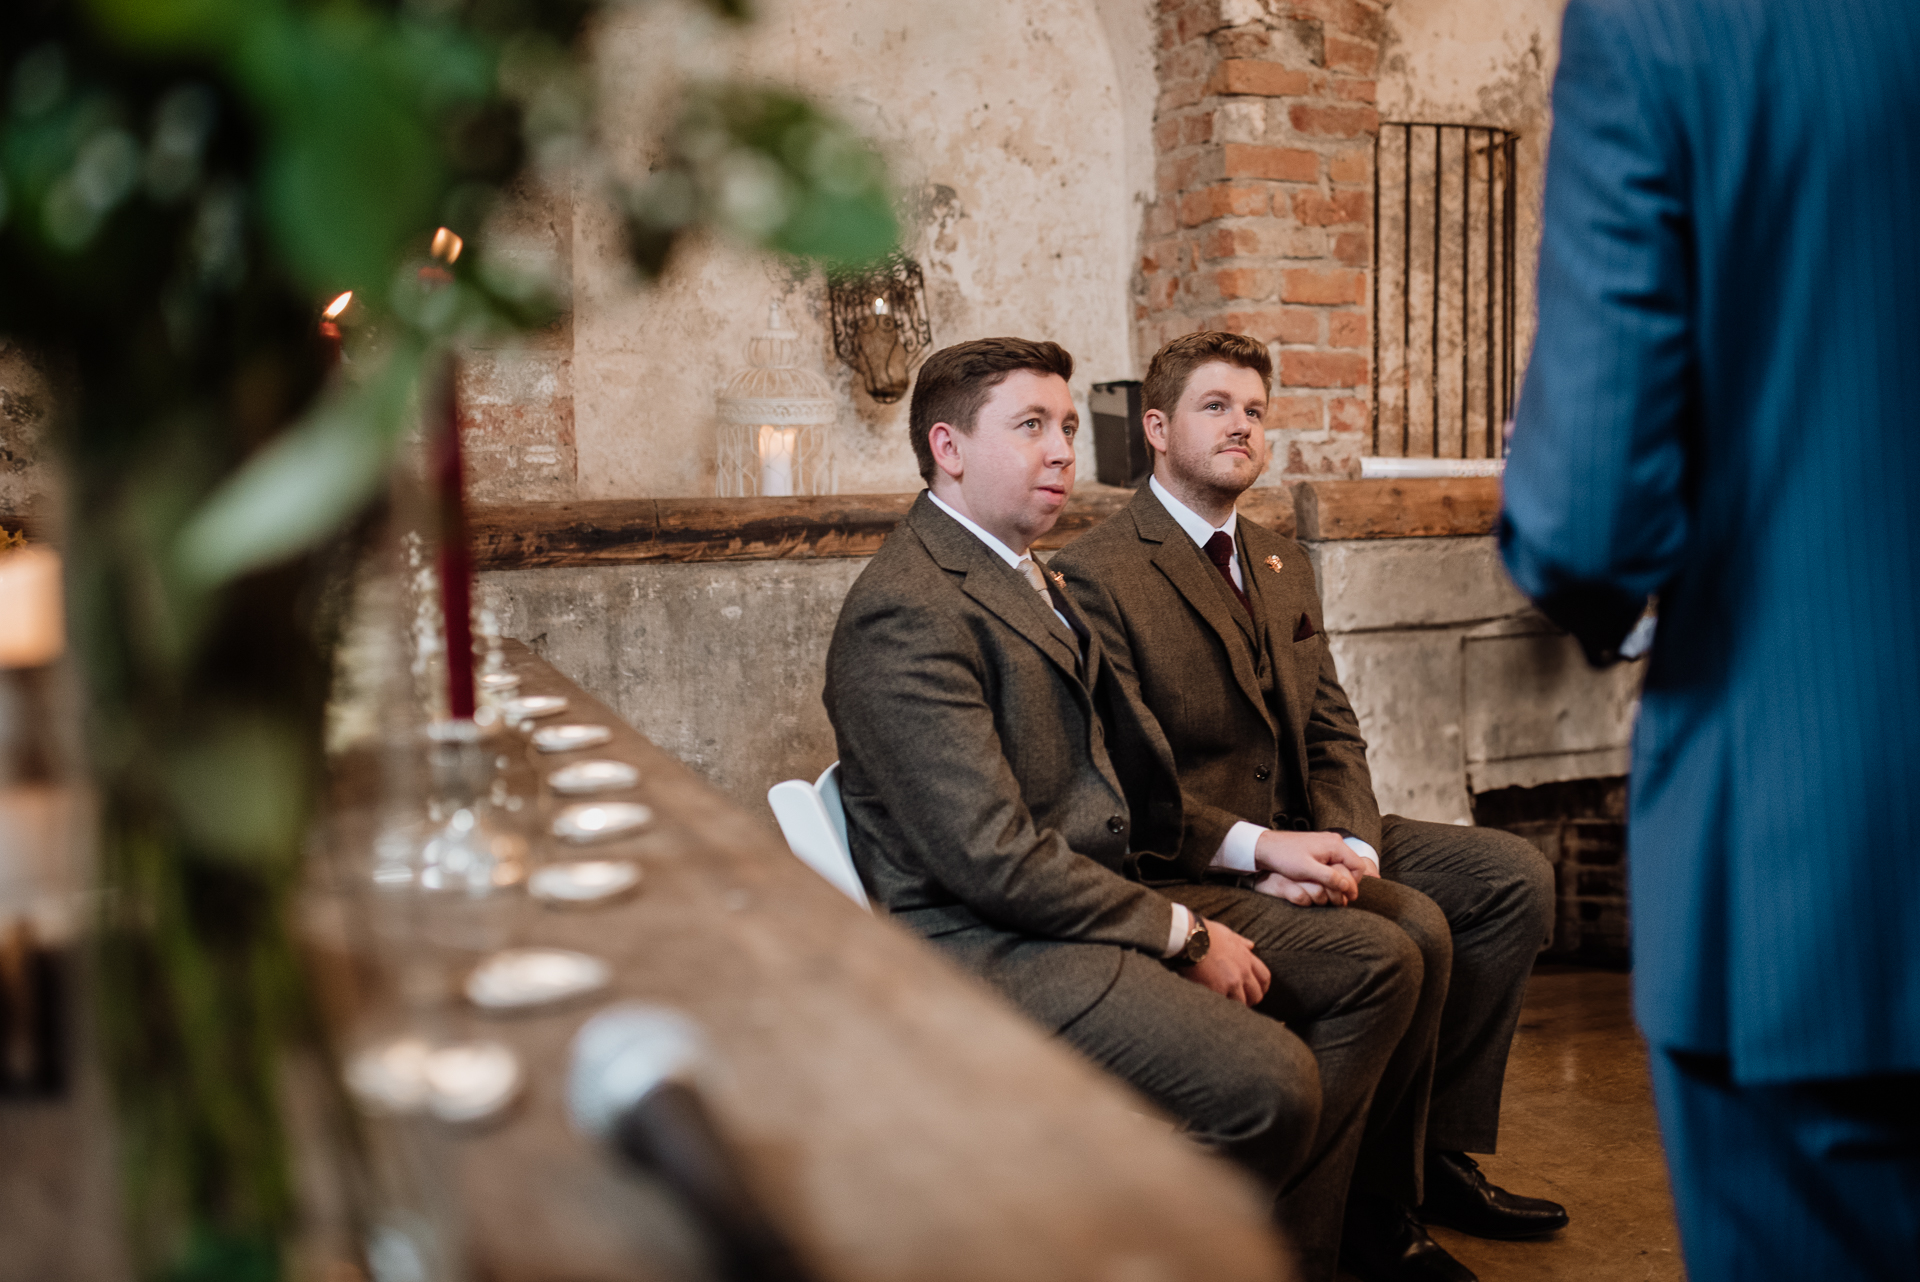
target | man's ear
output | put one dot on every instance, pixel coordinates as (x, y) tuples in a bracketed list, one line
[(1154, 423), (944, 441)]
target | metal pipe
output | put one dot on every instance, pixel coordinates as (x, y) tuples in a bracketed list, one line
[(1406, 292), (1373, 273), (1433, 387)]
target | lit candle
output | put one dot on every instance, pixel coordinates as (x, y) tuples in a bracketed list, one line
[(330, 325), (778, 446), (32, 626)]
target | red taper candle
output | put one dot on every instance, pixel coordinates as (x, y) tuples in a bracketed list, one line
[(455, 559)]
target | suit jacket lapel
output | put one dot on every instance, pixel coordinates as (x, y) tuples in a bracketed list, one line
[(1187, 568), (994, 584)]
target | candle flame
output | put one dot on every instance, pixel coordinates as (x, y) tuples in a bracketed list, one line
[(879, 307), (337, 306), (447, 245)]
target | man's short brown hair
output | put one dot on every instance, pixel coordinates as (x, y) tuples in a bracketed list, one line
[(1174, 364), (956, 381)]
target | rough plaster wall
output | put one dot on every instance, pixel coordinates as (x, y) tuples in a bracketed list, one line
[(720, 664), (1021, 157), (1481, 62)]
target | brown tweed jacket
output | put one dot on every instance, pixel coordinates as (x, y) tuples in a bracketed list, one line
[(1184, 649), (982, 808)]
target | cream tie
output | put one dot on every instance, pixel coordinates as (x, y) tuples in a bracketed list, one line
[(1036, 578)]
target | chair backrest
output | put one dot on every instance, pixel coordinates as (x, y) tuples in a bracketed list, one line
[(815, 825)]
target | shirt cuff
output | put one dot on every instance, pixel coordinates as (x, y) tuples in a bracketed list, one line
[(1236, 848), (1182, 927), (1365, 851)]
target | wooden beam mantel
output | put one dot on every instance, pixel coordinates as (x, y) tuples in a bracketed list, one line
[(521, 536), (1426, 507)]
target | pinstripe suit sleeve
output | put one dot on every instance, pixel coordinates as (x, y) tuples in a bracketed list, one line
[(1596, 516)]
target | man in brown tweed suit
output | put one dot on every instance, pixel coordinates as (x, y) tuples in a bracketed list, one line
[(1213, 625), (973, 711)]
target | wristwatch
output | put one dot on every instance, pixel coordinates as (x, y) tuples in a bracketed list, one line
[(1196, 946)]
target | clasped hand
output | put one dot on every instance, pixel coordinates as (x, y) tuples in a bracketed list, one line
[(1309, 867)]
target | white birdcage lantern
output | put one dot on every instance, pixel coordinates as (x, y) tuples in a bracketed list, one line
[(776, 420)]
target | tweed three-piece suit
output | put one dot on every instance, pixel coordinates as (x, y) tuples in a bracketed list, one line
[(1250, 708), (986, 813)]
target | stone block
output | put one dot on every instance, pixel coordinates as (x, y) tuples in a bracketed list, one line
[(1537, 713), (1405, 688), (1370, 584), (721, 663)]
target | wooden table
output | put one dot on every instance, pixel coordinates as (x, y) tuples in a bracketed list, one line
[(900, 1120)]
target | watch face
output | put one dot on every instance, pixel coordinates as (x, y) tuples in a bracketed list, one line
[(1198, 943)]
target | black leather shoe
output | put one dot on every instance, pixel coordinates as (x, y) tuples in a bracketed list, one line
[(1382, 1242), (1460, 1197)]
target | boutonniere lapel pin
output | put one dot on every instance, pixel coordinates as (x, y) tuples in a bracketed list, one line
[(1059, 579), (1273, 563)]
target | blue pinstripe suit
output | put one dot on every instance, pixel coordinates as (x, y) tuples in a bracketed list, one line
[(1723, 408)]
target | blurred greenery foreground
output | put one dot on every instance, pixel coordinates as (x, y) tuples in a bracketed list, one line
[(184, 184)]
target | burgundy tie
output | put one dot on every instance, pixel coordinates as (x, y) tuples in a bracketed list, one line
[(1220, 552)]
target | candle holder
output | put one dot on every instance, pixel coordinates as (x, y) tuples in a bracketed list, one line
[(880, 326), (776, 420)]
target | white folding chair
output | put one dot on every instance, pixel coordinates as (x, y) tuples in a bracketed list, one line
[(815, 825)]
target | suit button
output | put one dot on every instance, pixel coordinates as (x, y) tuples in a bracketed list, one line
[(1116, 824), (1263, 774)]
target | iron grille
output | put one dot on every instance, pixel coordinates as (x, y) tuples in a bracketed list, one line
[(1443, 289)]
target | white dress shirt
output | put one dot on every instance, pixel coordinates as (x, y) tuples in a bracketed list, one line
[(1236, 849), (999, 549)]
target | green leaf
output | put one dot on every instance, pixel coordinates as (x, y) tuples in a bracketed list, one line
[(173, 26), (301, 487), (352, 167), (239, 786)]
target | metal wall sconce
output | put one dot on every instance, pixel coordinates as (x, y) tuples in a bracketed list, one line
[(776, 420), (880, 324)]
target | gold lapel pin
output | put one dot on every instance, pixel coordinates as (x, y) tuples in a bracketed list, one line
[(1273, 563), (1059, 579)]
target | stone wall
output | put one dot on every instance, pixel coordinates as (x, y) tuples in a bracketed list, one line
[(720, 663), (1460, 687)]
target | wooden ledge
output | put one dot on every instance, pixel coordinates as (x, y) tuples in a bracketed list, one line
[(525, 536), (1398, 509)]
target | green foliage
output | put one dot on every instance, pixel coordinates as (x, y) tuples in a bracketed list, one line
[(183, 183)]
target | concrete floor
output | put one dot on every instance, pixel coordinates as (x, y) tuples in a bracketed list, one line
[(1577, 1125)]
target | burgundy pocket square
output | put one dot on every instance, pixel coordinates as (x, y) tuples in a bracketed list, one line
[(1305, 630)]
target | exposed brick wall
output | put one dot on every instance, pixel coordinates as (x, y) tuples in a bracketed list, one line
[(1581, 827), (1264, 136)]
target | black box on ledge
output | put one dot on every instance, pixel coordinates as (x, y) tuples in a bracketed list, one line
[(1120, 453)]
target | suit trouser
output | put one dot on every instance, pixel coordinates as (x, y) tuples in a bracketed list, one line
[(1284, 1088), (1801, 1180), (1497, 893)]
